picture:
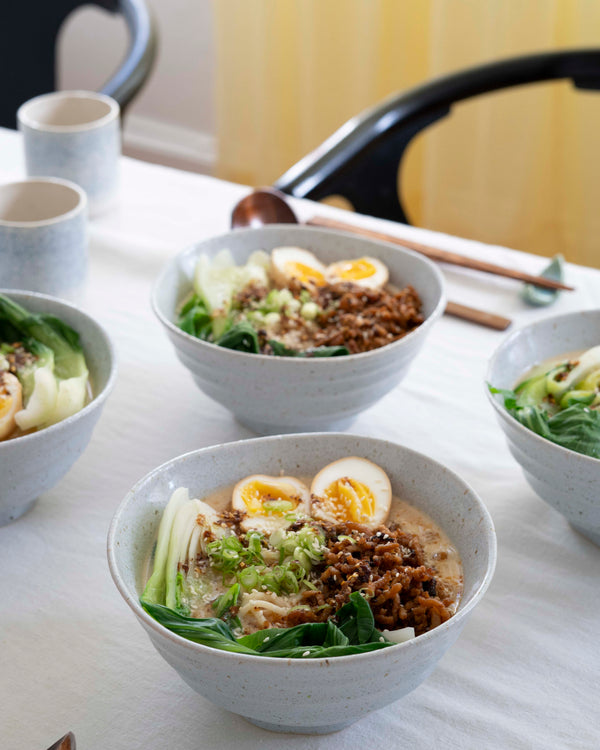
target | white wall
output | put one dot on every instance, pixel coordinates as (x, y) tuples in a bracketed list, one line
[(174, 113)]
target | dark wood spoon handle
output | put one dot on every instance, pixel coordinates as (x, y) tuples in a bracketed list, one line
[(65, 743)]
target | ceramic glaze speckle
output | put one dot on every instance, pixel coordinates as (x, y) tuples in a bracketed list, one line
[(279, 394), (32, 464), (566, 480), (86, 153), (334, 692)]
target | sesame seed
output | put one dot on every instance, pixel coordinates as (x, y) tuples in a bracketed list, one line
[(268, 638), (306, 653)]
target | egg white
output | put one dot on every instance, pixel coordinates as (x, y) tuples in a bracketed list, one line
[(284, 260), (336, 509)]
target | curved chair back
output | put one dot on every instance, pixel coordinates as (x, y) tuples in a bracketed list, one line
[(28, 50), (361, 160)]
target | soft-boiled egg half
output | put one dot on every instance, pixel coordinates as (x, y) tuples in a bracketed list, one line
[(366, 272), (11, 402), (289, 263), (351, 489), (267, 501)]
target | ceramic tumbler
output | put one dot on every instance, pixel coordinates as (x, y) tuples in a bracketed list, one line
[(43, 236), (74, 135)]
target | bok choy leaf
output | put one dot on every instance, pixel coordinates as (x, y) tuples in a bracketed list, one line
[(576, 427), (355, 635)]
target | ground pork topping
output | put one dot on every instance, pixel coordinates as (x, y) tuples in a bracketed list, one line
[(19, 358), (387, 566), (348, 315), (364, 319)]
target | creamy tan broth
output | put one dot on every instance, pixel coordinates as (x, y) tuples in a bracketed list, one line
[(440, 554)]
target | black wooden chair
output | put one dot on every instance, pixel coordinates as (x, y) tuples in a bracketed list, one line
[(28, 49), (361, 160)]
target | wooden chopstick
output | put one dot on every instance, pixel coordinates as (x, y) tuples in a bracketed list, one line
[(473, 315), (442, 256)]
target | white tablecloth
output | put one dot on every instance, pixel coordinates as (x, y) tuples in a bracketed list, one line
[(524, 674)]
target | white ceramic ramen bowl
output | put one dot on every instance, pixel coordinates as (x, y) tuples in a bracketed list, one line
[(32, 464), (318, 695), (566, 480), (283, 394)]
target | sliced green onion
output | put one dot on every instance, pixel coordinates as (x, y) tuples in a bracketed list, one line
[(249, 578)]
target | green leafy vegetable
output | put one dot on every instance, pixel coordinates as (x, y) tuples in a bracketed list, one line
[(69, 361), (281, 350), (242, 337), (355, 634), (227, 600), (576, 427), (195, 319), (49, 363), (356, 620)]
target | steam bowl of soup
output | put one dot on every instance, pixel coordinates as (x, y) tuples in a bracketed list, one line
[(280, 535), (552, 423), (57, 367), (307, 369)]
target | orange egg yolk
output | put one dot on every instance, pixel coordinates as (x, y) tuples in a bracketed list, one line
[(349, 500), (261, 498), (6, 401), (304, 273), (355, 270)]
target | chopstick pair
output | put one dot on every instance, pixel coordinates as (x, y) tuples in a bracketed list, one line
[(471, 314)]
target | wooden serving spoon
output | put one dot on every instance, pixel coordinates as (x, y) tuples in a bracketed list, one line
[(270, 207)]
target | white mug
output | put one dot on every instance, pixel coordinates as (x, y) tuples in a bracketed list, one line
[(74, 135), (43, 237)]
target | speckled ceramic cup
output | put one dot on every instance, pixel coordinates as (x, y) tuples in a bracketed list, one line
[(284, 394), (315, 695), (32, 464), (568, 481), (43, 236), (74, 135)]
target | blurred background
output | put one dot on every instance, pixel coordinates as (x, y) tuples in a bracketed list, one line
[(243, 90)]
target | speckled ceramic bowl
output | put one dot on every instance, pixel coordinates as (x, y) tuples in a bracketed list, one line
[(568, 481), (316, 695), (32, 464), (282, 394)]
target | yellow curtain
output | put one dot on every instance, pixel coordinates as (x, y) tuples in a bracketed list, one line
[(518, 168)]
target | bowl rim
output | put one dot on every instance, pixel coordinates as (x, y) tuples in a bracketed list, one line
[(25, 119), (97, 400), (195, 248), (80, 208), (149, 622), (501, 410)]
